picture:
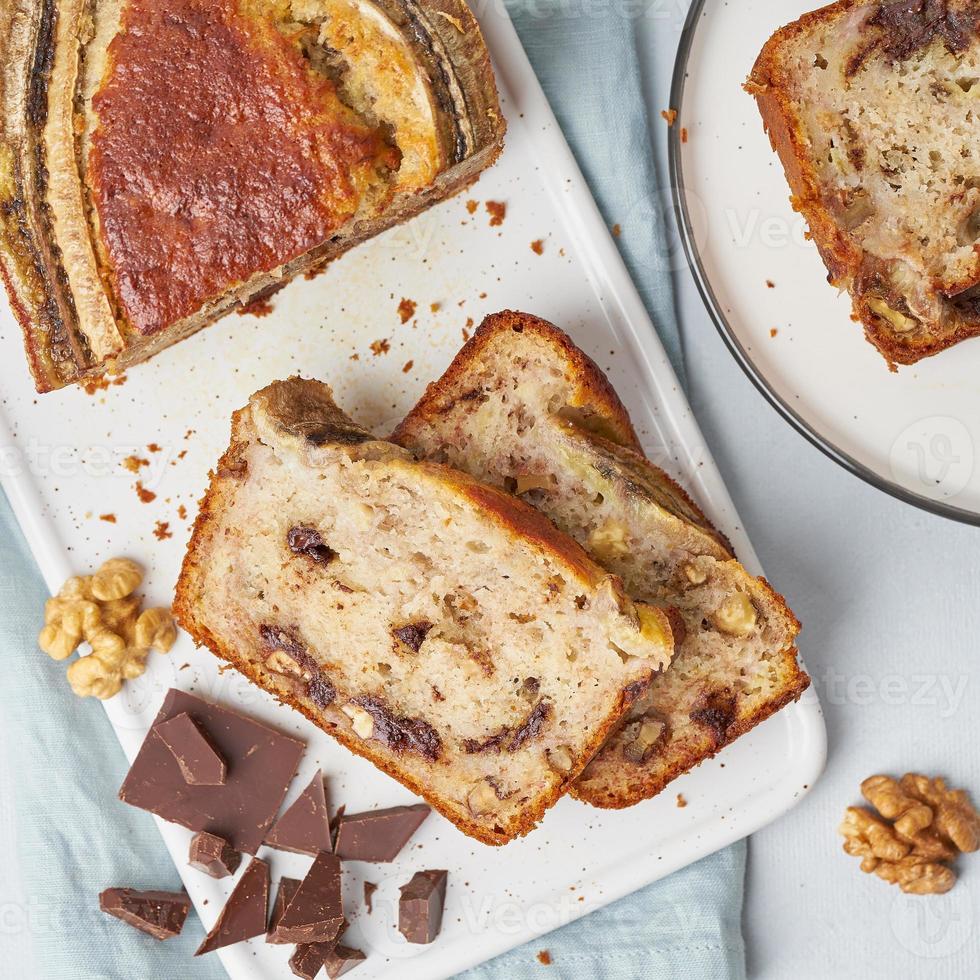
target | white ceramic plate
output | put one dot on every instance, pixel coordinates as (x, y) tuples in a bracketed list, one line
[(914, 434), (62, 469)]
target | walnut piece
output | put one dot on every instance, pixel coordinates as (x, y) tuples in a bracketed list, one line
[(102, 610), (920, 824)]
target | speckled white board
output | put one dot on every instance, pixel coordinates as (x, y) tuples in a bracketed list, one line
[(63, 467)]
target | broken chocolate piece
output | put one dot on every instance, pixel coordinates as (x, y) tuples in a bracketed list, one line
[(342, 959), (378, 835), (308, 959), (420, 906), (159, 914), (244, 914), (287, 889), (261, 763), (199, 761), (305, 827), (212, 855), (369, 889), (307, 541), (315, 913)]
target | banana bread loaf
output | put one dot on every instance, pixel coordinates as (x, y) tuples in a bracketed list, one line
[(523, 408), (435, 625)]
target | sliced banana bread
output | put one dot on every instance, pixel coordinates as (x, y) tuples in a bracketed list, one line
[(872, 108), (522, 407), (437, 626)]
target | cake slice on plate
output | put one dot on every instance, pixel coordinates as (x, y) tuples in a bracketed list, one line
[(523, 408), (872, 109), (433, 624), (165, 161)]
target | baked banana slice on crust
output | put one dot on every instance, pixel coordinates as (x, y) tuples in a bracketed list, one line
[(164, 161)]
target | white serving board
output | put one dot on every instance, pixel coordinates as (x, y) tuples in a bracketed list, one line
[(915, 434), (62, 468)]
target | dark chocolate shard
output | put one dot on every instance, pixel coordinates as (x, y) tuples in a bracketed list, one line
[(199, 761), (413, 634), (159, 914), (315, 913), (261, 763), (420, 906), (244, 914), (378, 835), (305, 827), (341, 960), (369, 889), (308, 959), (212, 855), (287, 889)]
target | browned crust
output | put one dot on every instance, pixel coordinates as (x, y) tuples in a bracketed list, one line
[(30, 263), (843, 259), (511, 513), (590, 385)]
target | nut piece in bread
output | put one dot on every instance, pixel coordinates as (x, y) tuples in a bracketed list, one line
[(435, 625), (143, 194), (521, 398), (870, 105)]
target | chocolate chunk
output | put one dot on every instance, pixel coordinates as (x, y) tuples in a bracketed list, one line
[(420, 906), (307, 541), (378, 835), (315, 913), (319, 688), (413, 635), (398, 732), (308, 959), (261, 763), (159, 914), (342, 959), (212, 855), (369, 889), (511, 739), (287, 889), (244, 914), (199, 761), (305, 827)]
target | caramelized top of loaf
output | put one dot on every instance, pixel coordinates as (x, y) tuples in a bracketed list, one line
[(219, 152)]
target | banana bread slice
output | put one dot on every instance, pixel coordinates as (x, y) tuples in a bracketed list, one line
[(165, 161), (872, 107), (523, 408), (437, 626)]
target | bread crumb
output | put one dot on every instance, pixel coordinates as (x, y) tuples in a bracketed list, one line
[(669, 116), (497, 211), (108, 518), (406, 309), (379, 347), (683, 134), (162, 531), (133, 463), (466, 335), (435, 307), (537, 246), (355, 357), (182, 512), (617, 230), (773, 332), (259, 306), (408, 367), (471, 206), (146, 496), (681, 801), (770, 284), (544, 958)]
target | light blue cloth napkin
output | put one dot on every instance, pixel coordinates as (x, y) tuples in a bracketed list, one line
[(64, 835)]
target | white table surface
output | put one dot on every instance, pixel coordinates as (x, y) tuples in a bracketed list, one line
[(890, 601)]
